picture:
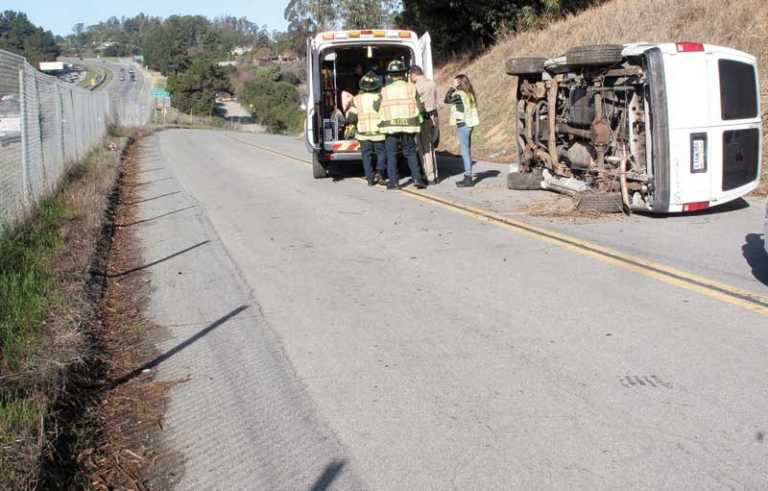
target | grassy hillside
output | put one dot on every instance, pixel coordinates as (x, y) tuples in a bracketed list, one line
[(741, 24)]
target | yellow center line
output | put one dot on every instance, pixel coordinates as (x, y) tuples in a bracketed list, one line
[(699, 284)]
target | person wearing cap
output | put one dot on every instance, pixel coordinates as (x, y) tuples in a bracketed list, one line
[(400, 120), (427, 90), (364, 114)]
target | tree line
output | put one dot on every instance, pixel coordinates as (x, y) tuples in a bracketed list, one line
[(18, 35), (186, 48), (456, 26)]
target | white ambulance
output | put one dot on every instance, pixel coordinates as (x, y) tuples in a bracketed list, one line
[(335, 63)]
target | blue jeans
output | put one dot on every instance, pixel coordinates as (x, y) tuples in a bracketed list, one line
[(465, 140)]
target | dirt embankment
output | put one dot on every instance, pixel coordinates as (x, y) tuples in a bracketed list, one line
[(740, 24)]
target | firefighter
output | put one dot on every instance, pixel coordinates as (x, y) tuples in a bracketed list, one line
[(400, 114), (363, 113)]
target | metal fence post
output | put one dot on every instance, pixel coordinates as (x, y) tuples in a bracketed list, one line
[(25, 190)]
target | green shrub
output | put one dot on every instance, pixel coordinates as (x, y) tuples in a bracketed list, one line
[(274, 105)]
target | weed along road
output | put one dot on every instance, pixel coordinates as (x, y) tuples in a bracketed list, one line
[(328, 335)]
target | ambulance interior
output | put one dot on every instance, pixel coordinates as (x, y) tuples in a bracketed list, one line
[(341, 69)]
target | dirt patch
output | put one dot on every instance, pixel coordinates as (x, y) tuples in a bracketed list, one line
[(129, 406), (564, 207)]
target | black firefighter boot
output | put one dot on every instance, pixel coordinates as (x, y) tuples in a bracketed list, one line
[(466, 182)]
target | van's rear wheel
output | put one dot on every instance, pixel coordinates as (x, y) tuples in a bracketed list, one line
[(319, 170), (525, 66), (596, 55)]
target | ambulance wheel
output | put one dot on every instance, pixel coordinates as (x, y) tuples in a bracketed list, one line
[(319, 170)]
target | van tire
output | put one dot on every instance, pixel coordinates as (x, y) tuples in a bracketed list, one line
[(599, 202), (319, 171), (524, 181), (525, 66), (595, 55)]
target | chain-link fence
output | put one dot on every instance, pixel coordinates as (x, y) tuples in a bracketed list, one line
[(47, 125)]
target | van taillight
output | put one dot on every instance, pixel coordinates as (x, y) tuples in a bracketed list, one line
[(698, 206), (689, 47)]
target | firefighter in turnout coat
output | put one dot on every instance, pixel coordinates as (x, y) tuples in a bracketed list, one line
[(400, 113), (363, 112)]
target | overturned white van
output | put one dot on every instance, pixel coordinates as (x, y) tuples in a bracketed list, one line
[(335, 62), (664, 128)]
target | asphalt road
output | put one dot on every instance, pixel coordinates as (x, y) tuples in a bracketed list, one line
[(330, 335)]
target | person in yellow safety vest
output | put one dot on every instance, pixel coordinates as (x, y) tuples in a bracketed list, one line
[(464, 116), (400, 112), (363, 113)]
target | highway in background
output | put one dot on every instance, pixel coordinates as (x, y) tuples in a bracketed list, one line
[(333, 334)]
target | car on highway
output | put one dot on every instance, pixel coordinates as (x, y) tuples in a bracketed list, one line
[(10, 119), (661, 128), (335, 63)]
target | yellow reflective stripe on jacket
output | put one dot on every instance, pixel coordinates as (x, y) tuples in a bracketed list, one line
[(367, 117), (470, 117), (399, 111)]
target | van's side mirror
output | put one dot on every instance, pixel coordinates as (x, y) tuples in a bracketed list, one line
[(303, 103)]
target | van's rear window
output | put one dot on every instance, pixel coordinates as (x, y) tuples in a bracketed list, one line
[(741, 157), (738, 90)]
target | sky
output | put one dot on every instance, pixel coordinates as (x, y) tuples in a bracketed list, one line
[(59, 16)]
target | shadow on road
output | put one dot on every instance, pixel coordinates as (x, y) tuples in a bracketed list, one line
[(179, 347), (153, 263), (448, 165), (152, 198), (332, 470), (486, 174), (137, 222), (139, 184), (753, 251)]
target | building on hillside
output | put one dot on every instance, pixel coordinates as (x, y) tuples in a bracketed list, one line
[(241, 50)]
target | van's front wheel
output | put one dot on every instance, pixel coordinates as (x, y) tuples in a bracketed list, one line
[(319, 171)]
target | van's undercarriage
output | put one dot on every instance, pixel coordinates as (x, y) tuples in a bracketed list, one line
[(583, 128)]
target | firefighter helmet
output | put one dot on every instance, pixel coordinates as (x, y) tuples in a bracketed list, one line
[(396, 66), (370, 82)]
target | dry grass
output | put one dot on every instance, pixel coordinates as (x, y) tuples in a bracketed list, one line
[(44, 277), (740, 24)]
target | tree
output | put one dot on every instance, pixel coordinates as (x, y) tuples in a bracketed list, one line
[(193, 90), (20, 36), (471, 25), (360, 14)]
